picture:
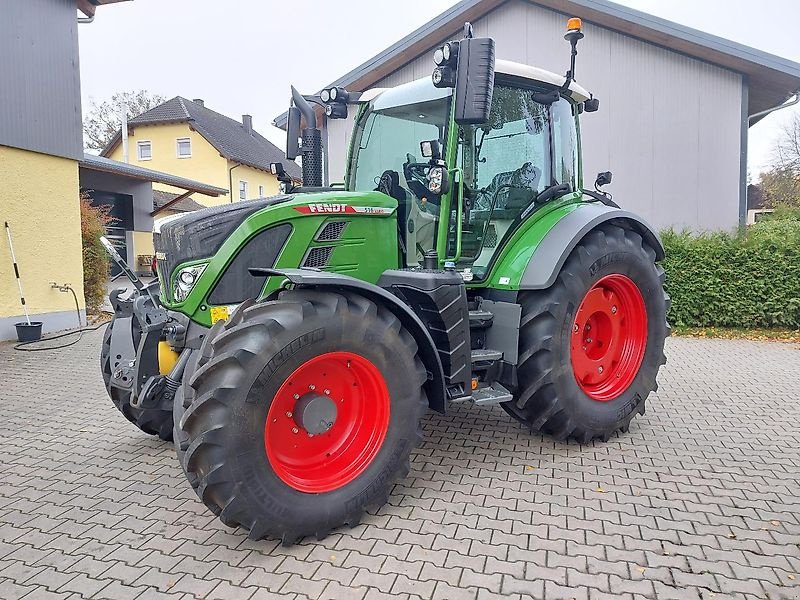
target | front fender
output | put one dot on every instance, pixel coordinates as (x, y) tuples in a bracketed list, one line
[(552, 252), (435, 386)]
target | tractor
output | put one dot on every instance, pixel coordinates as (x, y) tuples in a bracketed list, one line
[(291, 345)]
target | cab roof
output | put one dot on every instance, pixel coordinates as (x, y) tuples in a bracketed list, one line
[(423, 89)]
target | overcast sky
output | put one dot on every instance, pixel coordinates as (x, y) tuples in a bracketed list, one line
[(241, 55)]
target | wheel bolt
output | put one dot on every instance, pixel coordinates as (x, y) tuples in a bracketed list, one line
[(312, 387), (297, 396), (310, 435), (327, 392), (588, 340), (295, 430), (599, 369), (289, 414), (575, 328), (614, 310)]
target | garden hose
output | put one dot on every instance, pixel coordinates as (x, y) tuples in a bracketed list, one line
[(23, 346)]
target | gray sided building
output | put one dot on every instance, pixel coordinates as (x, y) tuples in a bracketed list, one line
[(674, 102)]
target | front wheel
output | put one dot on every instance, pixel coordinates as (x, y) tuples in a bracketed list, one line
[(301, 413), (592, 344)]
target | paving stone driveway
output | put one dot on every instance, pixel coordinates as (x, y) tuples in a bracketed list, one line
[(699, 500)]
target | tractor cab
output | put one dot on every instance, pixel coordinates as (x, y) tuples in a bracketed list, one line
[(524, 156)]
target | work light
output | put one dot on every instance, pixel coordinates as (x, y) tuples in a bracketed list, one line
[(444, 77)]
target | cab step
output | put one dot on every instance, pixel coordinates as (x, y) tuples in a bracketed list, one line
[(485, 355), (480, 319), (493, 394)]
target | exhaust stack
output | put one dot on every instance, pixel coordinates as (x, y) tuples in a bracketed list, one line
[(311, 149)]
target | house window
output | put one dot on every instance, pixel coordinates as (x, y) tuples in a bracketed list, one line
[(184, 147), (242, 190), (144, 151), (261, 191)]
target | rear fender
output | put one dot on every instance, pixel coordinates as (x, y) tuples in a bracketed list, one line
[(554, 249), (310, 278)]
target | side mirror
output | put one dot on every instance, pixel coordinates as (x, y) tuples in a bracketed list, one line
[(603, 178), (293, 133), (277, 169), (475, 81), (591, 105), (438, 180)]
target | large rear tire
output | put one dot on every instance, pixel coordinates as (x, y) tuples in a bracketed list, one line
[(301, 413), (154, 421), (592, 344)]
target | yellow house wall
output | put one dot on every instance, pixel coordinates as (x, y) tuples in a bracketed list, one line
[(205, 165), (39, 199), (254, 178), (142, 244)]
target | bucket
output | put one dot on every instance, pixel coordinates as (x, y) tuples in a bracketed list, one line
[(29, 333)]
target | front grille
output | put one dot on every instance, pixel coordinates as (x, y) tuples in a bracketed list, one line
[(331, 232), (318, 257)]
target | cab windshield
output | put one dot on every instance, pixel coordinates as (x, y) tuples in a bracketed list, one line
[(386, 156)]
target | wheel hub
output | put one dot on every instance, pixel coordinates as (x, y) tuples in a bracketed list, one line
[(609, 337), (327, 422), (315, 413)]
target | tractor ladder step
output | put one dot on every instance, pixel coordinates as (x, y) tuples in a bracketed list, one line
[(480, 319), (493, 394), (483, 356)]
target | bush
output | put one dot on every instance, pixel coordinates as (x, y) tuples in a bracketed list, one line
[(94, 221), (744, 280)]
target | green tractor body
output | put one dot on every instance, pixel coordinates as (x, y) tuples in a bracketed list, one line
[(291, 343)]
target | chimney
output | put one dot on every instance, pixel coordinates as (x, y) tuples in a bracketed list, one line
[(247, 121), (198, 101)]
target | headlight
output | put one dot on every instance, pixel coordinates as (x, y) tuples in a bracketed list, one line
[(185, 281), (325, 95), (438, 57), (334, 93)]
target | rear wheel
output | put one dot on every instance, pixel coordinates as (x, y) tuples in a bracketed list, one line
[(592, 344), (155, 421), (301, 413)]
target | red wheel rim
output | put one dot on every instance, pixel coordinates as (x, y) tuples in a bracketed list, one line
[(609, 337), (324, 461)]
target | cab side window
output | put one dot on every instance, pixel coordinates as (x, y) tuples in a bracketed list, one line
[(565, 144)]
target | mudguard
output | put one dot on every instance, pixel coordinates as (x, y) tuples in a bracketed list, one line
[(336, 281), (552, 252)]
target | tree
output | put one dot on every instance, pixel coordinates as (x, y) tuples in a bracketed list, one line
[(103, 119), (781, 184)]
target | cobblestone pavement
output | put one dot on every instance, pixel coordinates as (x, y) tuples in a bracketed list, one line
[(698, 500)]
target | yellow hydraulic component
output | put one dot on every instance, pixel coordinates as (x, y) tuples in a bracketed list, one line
[(167, 357)]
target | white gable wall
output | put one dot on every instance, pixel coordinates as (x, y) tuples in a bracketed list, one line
[(669, 126)]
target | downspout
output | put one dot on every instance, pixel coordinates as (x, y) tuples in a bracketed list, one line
[(230, 179)]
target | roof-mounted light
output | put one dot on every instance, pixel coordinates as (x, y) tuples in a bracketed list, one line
[(574, 24)]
